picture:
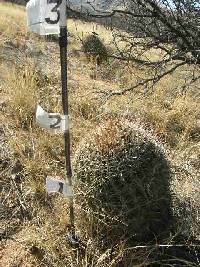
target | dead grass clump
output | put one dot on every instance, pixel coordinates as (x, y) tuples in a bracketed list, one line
[(14, 254), (39, 155), (22, 90), (94, 48), (194, 133), (12, 24), (122, 182), (186, 192), (85, 106)]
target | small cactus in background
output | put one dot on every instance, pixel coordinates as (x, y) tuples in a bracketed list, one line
[(94, 48), (122, 184)]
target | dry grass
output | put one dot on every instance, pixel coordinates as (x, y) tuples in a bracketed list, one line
[(81, 29), (13, 21), (173, 118), (23, 94)]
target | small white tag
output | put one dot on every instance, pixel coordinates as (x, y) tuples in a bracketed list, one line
[(58, 186), (53, 121)]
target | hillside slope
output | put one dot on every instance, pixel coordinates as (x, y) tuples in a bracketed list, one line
[(33, 223)]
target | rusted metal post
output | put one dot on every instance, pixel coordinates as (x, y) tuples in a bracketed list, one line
[(63, 43)]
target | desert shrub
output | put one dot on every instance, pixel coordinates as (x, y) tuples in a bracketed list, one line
[(122, 184), (94, 48)]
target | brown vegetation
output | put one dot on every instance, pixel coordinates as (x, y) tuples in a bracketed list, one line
[(39, 221)]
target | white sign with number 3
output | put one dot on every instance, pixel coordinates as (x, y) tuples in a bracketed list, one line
[(43, 16)]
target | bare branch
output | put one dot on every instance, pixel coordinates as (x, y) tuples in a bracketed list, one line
[(154, 79)]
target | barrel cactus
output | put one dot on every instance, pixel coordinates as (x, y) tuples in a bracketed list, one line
[(121, 184), (94, 48)]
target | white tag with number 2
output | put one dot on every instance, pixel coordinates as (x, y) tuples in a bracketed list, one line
[(53, 121), (43, 16)]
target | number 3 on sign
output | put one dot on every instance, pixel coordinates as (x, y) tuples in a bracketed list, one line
[(54, 5)]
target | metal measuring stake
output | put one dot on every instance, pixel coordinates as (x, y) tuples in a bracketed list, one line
[(46, 17), (63, 43)]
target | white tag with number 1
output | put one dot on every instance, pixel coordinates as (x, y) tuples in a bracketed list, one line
[(57, 186)]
